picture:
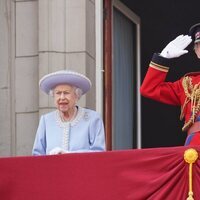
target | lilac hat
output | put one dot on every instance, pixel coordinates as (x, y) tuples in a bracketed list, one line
[(50, 81)]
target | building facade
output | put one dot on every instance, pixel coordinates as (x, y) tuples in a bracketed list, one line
[(100, 39), (38, 37)]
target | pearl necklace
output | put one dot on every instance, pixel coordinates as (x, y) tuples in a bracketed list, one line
[(65, 125)]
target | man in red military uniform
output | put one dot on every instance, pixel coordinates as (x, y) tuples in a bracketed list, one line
[(184, 92)]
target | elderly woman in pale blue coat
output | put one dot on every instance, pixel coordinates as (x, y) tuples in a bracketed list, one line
[(70, 128)]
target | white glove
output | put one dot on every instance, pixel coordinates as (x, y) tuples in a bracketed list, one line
[(176, 47), (57, 150)]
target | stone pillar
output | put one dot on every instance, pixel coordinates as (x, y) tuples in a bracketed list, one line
[(25, 78), (5, 78), (67, 41)]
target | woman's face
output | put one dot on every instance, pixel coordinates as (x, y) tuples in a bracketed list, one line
[(197, 49), (65, 98)]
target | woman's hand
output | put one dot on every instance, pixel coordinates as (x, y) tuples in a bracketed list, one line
[(57, 150)]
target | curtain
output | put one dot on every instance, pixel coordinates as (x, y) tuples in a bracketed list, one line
[(146, 174), (124, 95)]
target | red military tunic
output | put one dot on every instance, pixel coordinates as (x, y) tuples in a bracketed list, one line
[(172, 93)]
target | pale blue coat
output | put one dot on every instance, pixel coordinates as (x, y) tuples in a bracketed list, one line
[(84, 134)]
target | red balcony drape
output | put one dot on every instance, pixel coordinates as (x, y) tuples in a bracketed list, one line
[(147, 174)]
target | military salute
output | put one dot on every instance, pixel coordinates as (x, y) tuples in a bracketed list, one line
[(184, 92)]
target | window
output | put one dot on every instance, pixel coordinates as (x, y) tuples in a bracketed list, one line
[(125, 77)]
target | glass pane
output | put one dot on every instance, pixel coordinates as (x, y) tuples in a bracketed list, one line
[(124, 82)]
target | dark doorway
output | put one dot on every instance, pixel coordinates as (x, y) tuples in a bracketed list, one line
[(162, 21)]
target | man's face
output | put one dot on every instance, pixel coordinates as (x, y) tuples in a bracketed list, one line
[(197, 49)]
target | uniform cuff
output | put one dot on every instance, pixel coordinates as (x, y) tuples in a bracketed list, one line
[(160, 63), (161, 60)]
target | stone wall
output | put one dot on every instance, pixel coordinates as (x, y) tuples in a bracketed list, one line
[(38, 37)]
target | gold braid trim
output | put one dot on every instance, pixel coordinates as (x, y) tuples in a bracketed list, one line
[(159, 67), (193, 95)]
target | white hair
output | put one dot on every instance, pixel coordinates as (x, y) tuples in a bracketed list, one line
[(78, 92), (51, 92)]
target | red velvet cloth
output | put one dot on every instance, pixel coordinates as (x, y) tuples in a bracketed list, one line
[(147, 174)]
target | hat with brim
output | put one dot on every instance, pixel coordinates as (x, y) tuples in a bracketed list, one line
[(50, 81), (194, 32)]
